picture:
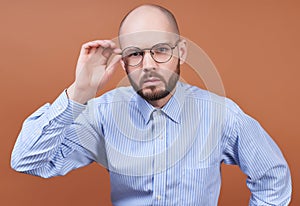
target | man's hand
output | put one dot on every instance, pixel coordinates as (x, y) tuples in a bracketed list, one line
[(92, 71)]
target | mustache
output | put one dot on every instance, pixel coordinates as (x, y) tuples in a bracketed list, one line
[(146, 76)]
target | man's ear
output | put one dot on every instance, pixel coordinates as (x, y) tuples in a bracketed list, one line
[(182, 50)]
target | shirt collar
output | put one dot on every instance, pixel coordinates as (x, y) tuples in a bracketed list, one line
[(172, 109)]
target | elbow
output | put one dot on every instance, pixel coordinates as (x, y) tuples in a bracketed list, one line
[(15, 162), (21, 166), (18, 163), (39, 167), (24, 164), (14, 165)]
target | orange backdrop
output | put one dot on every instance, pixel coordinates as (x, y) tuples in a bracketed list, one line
[(255, 46)]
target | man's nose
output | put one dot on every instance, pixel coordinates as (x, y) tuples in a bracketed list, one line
[(148, 62)]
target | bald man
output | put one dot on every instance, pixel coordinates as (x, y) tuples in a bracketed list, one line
[(161, 140)]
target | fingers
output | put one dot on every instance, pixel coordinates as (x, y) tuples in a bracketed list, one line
[(118, 51), (99, 49), (111, 68), (113, 64), (104, 47)]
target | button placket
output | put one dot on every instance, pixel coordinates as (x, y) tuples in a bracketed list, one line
[(159, 132)]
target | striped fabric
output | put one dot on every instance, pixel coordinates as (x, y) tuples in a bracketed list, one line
[(167, 156)]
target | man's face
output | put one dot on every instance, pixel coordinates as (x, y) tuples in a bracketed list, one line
[(144, 28), (153, 80)]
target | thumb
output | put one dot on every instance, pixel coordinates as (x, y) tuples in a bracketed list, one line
[(113, 65), (110, 69)]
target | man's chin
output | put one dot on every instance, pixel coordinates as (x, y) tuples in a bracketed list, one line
[(153, 94)]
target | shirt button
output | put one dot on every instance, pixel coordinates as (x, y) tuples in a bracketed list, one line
[(161, 137), (59, 108), (158, 197)]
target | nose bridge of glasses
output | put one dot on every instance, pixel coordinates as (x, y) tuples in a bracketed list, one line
[(150, 51), (148, 59)]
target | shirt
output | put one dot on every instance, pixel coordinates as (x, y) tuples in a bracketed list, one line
[(155, 156)]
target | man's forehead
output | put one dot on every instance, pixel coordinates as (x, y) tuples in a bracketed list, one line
[(146, 39)]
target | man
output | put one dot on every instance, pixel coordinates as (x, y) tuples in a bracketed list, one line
[(161, 140)]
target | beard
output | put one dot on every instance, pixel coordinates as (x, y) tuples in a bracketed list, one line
[(156, 93)]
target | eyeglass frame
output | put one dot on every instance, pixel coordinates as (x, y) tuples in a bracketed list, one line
[(143, 50)]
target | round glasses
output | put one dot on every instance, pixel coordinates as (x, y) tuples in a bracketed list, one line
[(160, 53)]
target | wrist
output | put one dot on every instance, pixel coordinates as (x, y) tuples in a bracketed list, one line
[(79, 95)]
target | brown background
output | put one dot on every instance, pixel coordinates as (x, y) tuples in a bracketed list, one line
[(254, 44)]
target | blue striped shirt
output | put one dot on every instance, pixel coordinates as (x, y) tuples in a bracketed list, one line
[(155, 156)]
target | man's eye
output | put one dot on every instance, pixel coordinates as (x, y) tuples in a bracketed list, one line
[(135, 54), (162, 50)]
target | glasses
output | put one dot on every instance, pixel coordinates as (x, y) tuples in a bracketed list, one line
[(160, 53)]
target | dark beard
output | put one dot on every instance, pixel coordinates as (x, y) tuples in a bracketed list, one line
[(154, 95), (157, 95)]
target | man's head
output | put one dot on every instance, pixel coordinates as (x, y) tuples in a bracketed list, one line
[(156, 69), (148, 10)]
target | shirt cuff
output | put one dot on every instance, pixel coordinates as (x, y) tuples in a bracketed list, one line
[(64, 110)]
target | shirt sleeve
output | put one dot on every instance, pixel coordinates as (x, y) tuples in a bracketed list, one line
[(57, 138), (252, 149)]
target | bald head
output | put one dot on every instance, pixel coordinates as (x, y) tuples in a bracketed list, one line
[(148, 17)]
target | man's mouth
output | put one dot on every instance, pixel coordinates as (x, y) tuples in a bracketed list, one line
[(151, 81)]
